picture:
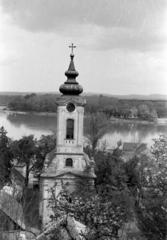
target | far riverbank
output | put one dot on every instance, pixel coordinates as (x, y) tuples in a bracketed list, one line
[(50, 114), (159, 121), (18, 125)]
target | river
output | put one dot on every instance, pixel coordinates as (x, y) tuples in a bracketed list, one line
[(18, 125)]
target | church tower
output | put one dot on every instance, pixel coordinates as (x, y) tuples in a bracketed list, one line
[(67, 162)]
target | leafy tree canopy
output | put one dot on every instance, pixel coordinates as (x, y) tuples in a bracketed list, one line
[(147, 180), (6, 157)]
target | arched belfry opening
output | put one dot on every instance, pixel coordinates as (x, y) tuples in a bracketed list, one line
[(70, 129)]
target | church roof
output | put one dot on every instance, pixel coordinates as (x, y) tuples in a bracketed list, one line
[(63, 173), (71, 86), (51, 171)]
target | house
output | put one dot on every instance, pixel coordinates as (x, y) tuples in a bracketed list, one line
[(142, 148), (19, 216), (13, 211), (66, 228), (130, 146), (19, 170), (134, 149)]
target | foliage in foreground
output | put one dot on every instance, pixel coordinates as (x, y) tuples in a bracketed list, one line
[(104, 209), (5, 157), (26, 151), (148, 184), (123, 192), (95, 126)]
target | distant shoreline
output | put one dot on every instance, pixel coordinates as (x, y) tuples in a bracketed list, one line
[(132, 120), (46, 114), (160, 121)]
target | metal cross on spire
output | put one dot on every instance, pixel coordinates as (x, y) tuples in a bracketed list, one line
[(72, 47)]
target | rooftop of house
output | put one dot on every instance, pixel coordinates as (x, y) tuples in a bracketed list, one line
[(130, 146), (12, 208), (65, 228), (141, 148), (132, 149), (25, 214), (17, 177)]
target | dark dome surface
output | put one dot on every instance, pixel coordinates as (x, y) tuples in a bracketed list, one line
[(71, 86)]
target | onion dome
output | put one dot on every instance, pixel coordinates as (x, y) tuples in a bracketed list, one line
[(71, 86)]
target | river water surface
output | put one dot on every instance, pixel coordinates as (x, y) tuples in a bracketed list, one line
[(18, 125)]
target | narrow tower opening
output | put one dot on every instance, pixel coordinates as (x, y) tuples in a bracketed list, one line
[(70, 129)]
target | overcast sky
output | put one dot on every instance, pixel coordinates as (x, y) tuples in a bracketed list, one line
[(121, 45)]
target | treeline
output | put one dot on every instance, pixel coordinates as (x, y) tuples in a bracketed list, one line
[(5, 99), (34, 103), (114, 107), (145, 109)]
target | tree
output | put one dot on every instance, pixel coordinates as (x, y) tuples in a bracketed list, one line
[(104, 209), (144, 111), (134, 111), (45, 145), (33, 102), (5, 157), (153, 115), (24, 150), (147, 180), (103, 212), (109, 111), (32, 153), (95, 127), (17, 103), (161, 108)]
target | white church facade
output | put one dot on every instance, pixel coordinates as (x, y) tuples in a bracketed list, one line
[(67, 162)]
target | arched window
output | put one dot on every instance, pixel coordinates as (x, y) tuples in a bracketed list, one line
[(70, 129), (69, 162)]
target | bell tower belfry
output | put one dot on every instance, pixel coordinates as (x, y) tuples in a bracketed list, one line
[(70, 114), (67, 162)]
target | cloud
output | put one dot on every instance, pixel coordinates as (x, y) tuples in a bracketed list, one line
[(122, 38), (7, 56), (46, 15), (125, 24)]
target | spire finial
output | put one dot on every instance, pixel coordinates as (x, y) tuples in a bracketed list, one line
[(71, 86), (72, 47)]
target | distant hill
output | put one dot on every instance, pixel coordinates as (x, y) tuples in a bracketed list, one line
[(142, 97), (130, 96), (25, 93), (14, 93)]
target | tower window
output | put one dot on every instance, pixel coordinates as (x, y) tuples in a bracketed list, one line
[(70, 129), (69, 162)]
